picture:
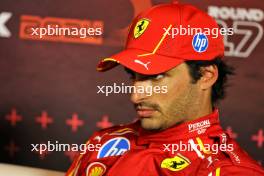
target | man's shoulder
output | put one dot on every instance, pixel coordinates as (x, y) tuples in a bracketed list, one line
[(115, 131), (119, 129), (235, 162)]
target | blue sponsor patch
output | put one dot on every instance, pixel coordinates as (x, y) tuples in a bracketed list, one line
[(200, 42), (114, 147)]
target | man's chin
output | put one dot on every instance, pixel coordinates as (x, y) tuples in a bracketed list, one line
[(150, 124)]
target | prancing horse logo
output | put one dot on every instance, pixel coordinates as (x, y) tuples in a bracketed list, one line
[(140, 27)]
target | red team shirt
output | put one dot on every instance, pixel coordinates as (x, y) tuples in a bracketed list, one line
[(129, 150)]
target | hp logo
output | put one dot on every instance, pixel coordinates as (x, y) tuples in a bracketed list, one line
[(200, 42), (114, 147)]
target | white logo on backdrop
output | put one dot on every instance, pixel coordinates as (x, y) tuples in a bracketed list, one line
[(4, 17), (246, 23)]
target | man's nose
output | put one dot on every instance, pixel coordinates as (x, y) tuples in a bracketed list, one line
[(139, 94)]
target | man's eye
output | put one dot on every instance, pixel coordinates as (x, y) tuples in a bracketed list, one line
[(159, 76)]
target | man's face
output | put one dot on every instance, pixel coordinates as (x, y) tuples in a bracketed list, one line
[(162, 110)]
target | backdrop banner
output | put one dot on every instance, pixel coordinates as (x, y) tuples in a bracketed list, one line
[(49, 84)]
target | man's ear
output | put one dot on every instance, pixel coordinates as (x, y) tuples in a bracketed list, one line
[(209, 76)]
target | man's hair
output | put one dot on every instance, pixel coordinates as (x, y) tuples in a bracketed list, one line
[(219, 87)]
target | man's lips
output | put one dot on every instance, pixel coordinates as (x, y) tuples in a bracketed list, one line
[(145, 113)]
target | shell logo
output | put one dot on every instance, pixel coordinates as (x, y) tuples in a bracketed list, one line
[(95, 169)]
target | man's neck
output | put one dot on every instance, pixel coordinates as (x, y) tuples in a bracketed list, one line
[(204, 109)]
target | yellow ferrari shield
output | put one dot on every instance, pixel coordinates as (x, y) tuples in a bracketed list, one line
[(140, 27), (175, 164)]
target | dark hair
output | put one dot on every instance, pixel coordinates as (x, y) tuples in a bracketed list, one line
[(224, 70)]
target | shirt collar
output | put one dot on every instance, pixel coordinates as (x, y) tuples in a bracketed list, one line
[(200, 126)]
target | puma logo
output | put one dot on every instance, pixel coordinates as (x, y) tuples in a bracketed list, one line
[(142, 63)]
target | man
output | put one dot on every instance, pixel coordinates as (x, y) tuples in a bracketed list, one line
[(178, 132)]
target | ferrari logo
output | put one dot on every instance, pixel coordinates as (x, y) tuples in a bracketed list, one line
[(175, 164), (140, 27)]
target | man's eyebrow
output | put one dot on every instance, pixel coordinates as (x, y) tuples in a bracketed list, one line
[(133, 73), (129, 71)]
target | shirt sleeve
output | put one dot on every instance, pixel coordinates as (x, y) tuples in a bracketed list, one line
[(236, 171)]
